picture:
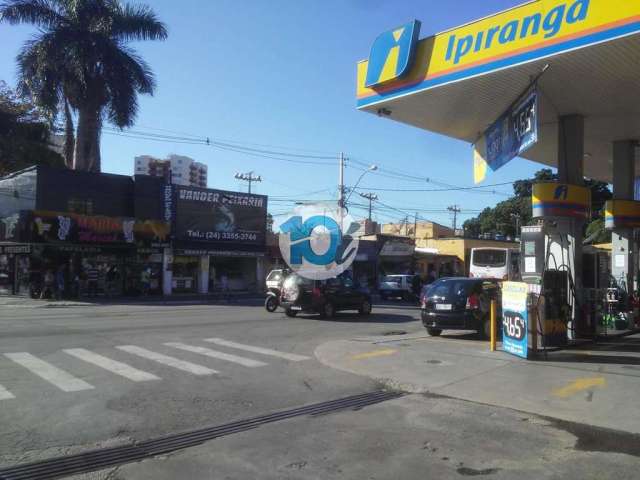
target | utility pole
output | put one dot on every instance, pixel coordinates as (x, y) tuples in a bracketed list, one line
[(415, 226), (341, 180), (516, 217), (371, 197), (456, 210), (248, 177)]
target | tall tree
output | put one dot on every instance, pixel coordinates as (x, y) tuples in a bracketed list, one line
[(79, 60), (24, 134)]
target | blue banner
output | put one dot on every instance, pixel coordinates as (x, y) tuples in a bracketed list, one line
[(515, 318), (514, 132)]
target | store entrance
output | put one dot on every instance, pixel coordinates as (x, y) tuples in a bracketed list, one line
[(239, 274)]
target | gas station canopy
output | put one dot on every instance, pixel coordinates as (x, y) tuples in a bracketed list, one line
[(458, 82)]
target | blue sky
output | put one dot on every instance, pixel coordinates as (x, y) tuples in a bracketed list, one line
[(282, 73)]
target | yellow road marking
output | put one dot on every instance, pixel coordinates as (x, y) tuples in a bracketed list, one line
[(579, 385), (375, 353)]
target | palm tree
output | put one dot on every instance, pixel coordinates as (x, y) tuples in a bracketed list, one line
[(79, 61)]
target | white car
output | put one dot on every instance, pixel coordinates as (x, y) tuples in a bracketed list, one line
[(398, 286)]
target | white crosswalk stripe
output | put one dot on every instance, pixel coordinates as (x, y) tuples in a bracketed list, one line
[(114, 366), (5, 394), (247, 362), (61, 379), (264, 351), (167, 360)]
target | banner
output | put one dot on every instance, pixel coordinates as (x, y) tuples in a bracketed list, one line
[(515, 318), (218, 216), (511, 135), (55, 227)]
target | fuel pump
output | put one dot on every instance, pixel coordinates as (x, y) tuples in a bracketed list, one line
[(548, 250), (550, 283)]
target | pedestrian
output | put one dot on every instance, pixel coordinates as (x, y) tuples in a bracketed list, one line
[(145, 280), (92, 281), (48, 287), (60, 283), (224, 286)]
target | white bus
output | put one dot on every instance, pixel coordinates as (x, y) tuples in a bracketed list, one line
[(496, 263)]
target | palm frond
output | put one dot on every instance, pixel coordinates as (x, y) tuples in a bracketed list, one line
[(136, 22), (42, 13)]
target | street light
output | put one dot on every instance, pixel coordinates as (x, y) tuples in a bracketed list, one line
[(371, 168)]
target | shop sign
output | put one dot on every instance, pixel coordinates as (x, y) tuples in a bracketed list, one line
[(527, 33), (621, 214), (560, 200), (218, 216), (392, 54), (169, 203), (319, 241), (515, 318), (14, 249), (71, 227), (397, 249), (515, 132), (218, 253)]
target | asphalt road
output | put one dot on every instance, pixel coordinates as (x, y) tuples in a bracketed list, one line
[(61, 367), (82, 378)]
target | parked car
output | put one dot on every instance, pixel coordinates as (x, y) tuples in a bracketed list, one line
[(397, 286), (325, 297), (458, 303)]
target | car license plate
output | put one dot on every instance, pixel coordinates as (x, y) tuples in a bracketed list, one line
[(296, 307), (443, 306)]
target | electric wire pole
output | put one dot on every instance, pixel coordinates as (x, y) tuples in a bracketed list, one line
[(456, 210), (248, 177), (371, 197), (341, 180)]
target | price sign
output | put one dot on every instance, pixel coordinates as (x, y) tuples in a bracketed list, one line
[(515, 318)]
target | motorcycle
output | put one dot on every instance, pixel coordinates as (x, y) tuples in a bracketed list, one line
[(272, 301)]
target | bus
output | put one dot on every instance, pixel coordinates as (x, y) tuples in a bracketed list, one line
[(496, 263)]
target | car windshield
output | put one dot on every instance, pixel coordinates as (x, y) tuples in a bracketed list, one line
[(490, 258), (448, 289), (392, 278)]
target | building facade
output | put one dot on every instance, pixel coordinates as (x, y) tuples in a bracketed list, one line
[(179, 169), (114, 235)]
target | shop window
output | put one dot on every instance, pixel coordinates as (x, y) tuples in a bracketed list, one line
[(81, 206)]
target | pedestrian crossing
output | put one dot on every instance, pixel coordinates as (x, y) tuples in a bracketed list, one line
[(124, 360)]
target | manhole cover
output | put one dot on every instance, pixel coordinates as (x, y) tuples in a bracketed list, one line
[(394, 332), (434, 362)]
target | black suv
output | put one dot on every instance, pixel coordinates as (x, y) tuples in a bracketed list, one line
[(325, 297), (458, 303)]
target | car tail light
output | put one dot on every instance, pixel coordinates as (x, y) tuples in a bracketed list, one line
[(316, 293), (472, 302)]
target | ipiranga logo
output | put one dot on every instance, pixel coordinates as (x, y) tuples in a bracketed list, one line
[(548, 25), (392, 54)]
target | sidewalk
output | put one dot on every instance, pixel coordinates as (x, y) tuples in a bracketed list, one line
[(594, 384), (176, 299)]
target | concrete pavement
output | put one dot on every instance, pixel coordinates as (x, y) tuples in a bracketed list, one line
[(595, 384)]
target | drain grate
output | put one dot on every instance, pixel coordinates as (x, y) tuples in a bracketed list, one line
[(111, 457)]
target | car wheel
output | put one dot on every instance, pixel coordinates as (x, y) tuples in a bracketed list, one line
[(290, 313), (328, 310), (271, 304), (365, 308), (434, 332)]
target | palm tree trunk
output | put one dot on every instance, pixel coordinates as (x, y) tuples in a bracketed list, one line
[(87, 154), (69, 136)]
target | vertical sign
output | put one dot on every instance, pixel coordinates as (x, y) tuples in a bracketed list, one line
[(511, 135), (515, 318), (169, 205)]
